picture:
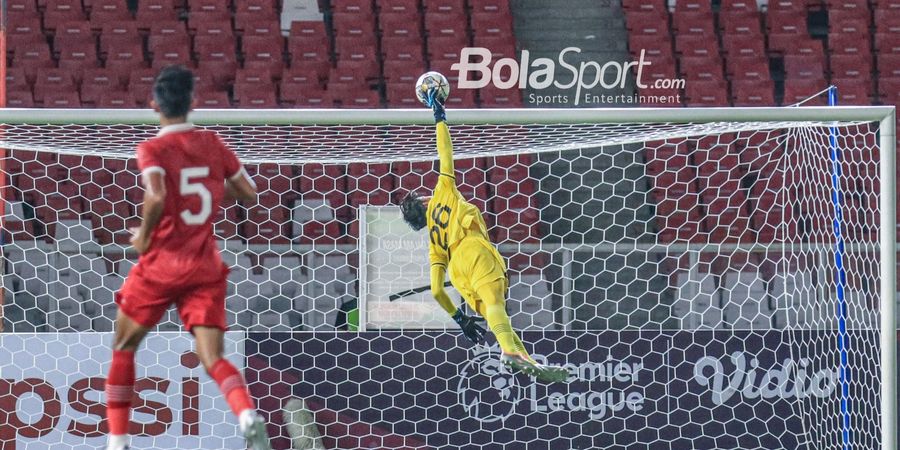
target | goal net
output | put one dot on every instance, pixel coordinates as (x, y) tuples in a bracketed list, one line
[(712, 278)]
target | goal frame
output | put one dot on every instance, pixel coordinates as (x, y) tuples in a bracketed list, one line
[(884, 115)]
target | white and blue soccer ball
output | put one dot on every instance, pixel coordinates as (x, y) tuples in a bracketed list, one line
[(435, 79)]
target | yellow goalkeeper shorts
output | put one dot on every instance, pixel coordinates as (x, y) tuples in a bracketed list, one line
[(475, 263)]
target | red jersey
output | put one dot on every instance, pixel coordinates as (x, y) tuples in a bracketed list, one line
[(195, 164)]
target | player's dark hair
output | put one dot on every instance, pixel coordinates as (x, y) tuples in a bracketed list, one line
[(413, 210), (173, 91)]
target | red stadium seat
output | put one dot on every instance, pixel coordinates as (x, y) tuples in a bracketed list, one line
[(748, 6), (399, 95), (462, 98), (72, 35), (96, 82), (209, 9), (851, 66), (217, 58), (500, 46), (753, 93), (748, 68), (251, 81), (121, 34), (401, 26), (791, 44), (125, 57), (140, 83), (446, 47), (743, 45), (77, 59), (889, 66), (355, 26), (397, 6), (16, 80), (23, 32), (265, 55), (150, 11), (116, 100), (266, 225), (492, 97), (706, 93), (692, 6), (17, 8), (253, 11), (263, 29), (491, 25), (808, 67), (848, 44), (105, 11), (63, 99), (696, 45), (445, 24), (360, 7), (309, 98), (52, 80), (703, 70), (444, 6), (170, 55), (853, 91), (212, 99), (60, 11), (357, 98), (653, 46), (19, 99), (169, 33), (797, 90), (648, 23), (690, 22), (786, 22), (887, 43), (301, 76), (398, 71), (33, 58), (740, 23)]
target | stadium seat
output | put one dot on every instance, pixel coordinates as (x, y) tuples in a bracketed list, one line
[(446, 47), (807, 67), (653, 46), (691, 22), (19, 99), (500, 46), (402, 49), (16, 80), (214, 30), (786, 22), (797, 90), (462, 98), (58, 12), (359, 7), (105, 11), (444, 6), (491, 97), (124, 57), (24, 32), (270, 29), (743, 45), (251, 80), (208, 10), (358, 98), (753, 93), (692, 6), (743, 6), (848, 44), (18, 8), (445, 25), (121, 34), (52, 80), (401, 26), (399, 95), (33, 58), (71, 35), (491, 25), (853, 91), (355, 26), (887, 43), (740, 23), (212, 99), (748, 68), (218, 59), (851, 66), (858, 26), (704, 69), (648, 23), (95, 82), (706, 93), (398, 71), (889, 66), (170, 55), (116, 99), (77, 59), (301, 76), (696, 45), (266, 225), (168, 33), (397, 6), (250, 11), (64, 99), (265, 55), (791, 44), (140, 83), (150, 11)]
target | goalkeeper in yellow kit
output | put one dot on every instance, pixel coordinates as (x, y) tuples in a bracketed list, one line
[(459, 243)]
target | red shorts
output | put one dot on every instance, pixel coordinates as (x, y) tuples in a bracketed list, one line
[(145, 302)]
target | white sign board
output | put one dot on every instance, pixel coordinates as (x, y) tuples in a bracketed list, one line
[(51, 389)]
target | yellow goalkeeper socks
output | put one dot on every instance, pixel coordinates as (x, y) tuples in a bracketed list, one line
[(498, 321)]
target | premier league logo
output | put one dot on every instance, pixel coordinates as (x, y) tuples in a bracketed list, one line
[(486, 390)]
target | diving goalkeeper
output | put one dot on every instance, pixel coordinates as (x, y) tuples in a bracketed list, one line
[(459, 244)]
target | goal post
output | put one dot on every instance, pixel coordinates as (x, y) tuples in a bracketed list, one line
[(629, 233)]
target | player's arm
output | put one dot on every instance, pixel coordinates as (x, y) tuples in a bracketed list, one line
[(240, 187), (438, 274), (153, 203), (444, 144)]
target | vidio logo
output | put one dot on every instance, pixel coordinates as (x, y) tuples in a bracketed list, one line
[(486, 389)]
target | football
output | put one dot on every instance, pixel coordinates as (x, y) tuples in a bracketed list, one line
[(429, 79)]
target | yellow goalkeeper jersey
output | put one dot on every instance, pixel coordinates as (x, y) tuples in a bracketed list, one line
[(450, 218)]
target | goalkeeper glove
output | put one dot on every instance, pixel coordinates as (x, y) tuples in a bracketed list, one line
[(435, 104), (470, 327)]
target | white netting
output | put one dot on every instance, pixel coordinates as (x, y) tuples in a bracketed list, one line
[(686, 272)]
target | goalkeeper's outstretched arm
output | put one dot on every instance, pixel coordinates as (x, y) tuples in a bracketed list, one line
[(445, 150)]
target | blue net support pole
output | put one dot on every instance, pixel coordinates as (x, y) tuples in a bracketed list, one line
[(841, 275)]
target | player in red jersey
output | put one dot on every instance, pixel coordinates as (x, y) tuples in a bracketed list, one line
[(186, 173)]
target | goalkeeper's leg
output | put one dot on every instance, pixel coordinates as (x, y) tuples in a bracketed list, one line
[(492, 298)]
